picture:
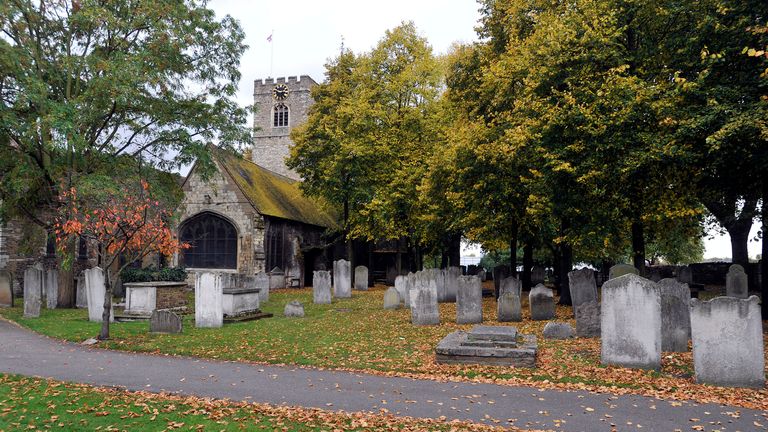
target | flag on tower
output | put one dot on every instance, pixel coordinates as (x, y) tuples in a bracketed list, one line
[(269, 38)]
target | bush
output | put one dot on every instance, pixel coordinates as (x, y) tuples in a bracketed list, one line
[(151, 274)]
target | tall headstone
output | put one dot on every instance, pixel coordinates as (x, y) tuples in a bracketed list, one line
[(95, 292), (262, 282), (391, 298), (424, 310), (631, 323), (537, 275), (321, 287), (342, 279), (361, 278), (675, 315), (411, 279), (33, 292), (583, 286), (587, 319), (276, 278), (6, 289), (499, 273), (401, 285), (81, 294), (727, 338), (511, 284), (469, 300), (452, 275), (508, 308), (51, 288), (621, 270), (438, 275), (542, 303), (209, 300), (164, 321), (736, 282)]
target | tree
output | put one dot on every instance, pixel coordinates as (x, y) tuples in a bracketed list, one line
[(124, 222)]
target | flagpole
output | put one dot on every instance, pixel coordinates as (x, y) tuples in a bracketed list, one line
[(272, 54)]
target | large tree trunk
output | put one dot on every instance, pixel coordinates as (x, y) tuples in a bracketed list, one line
[(513, 252), (566, 264), (454, 250), (638, 246), (527, 265), (737, 223), (764, 257), (739, 234)]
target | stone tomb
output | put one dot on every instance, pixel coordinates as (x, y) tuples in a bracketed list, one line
[(424, 310), (342, 279), (209, 301), (736, 283), (141, 298), (488, 345), (469, 302), (321, 287), (361, 278), (631, 323), (675, 315), (621, 270), (33, 292), (164, 321), (6, 289), (727, 338), (542, 303), (276, 278), (240, 296)]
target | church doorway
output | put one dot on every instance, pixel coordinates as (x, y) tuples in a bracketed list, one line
[(213, 242)]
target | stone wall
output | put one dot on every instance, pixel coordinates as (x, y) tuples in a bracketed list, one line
[(167, 297)]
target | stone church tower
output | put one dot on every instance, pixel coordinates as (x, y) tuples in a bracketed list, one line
[(280, 105)]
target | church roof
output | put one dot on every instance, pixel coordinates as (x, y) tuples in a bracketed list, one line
[(275, 195)]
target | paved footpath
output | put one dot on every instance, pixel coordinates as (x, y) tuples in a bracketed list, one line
[(26, 353)]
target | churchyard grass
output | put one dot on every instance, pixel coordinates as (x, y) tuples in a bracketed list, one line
[(39, 404), (358, 334)]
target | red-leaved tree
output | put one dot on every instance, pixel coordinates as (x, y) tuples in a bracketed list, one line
[(126, 223)]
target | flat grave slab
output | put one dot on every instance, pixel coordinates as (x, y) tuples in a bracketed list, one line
[(506, 348), (493, 333)]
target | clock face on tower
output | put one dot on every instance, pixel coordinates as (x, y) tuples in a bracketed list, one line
[(280, 92)]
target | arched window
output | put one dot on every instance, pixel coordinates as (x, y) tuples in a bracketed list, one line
[(280, 116), (213, 242)]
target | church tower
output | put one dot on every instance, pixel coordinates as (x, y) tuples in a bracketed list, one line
[(280, 105)]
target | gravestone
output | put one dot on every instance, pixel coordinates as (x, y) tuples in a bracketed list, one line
[(736, 282), (164, 321), (424, 310), (6, 289), (508, 307), (262, 282), (631, 322), (451, 275), (294, 309), (321, 287), (81, 295), (537, 275), (361, 278), (276, 278), (401, 285), (685, 275), (342, 279), (583, 286), (51, 288), (654, 274), (482, 275), (209, 300), (511, 284), (438, 275), (587, 319), (391, 299), (411, 284), (499, 273), (727, 338), (558, 330), (542, 303), (469, 300), (675, 315), (621, 270), (95, 292), (33, 292)]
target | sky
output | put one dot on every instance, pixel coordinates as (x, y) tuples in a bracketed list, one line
[(305, 34)]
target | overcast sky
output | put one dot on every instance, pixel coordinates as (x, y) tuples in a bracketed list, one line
[(305, 34)]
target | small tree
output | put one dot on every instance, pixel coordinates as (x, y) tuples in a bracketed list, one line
[(124, 223)]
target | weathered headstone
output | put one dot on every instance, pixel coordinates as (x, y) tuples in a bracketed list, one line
[(321, 287), (736, 282), (342, 279), (542, 303), (499, 273), (401, 285), (727, 338), (675, 315), (621, 270), (51, 288), (583, 286), (631, 323), (411, 279), (482, 275), (508, 307), (163, 321), (469, 300), (209, 300), (511, 284), (294, 309), (537, 275), (587, 319), (438, 275), (33, 292), (361, 278), (6, 289), (95, 292), (391, 298), (558, 330), (276, 278), (262, 282), (424, 310), (685, 275), (451, 275), (81, 295)]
